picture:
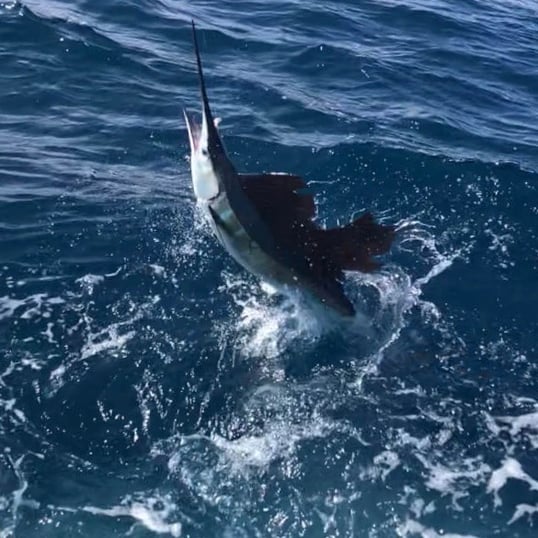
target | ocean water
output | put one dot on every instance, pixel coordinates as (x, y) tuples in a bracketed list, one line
[(151, 387)]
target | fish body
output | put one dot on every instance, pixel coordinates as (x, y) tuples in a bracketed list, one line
[(266, 221)]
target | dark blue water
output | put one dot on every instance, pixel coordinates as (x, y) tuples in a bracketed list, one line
[(149, 385)]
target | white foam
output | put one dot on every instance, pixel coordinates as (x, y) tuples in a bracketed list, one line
[(399, 293), (527, 423), (9, 406), (151, 512), (268, 322), (522, 510), (17, 497), (159, 270), (48, 333), (36, 305), (8, 306), (413, 528), (89, 282), (7, 372), (111, 338), (114, 342), (114, 273), (279, 441), (454, 481), (405, 438), (418, 506), (57, 374), (511, 468), (387, 461)]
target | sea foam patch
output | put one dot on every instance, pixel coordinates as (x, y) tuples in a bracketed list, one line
[(510, 469), (152, 512), (414, 528), (517, 425), (37, 305)]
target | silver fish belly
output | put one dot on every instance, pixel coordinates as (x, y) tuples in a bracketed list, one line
[(247, 252)]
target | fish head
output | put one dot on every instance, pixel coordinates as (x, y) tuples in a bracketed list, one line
[(205, 178), (209, 162)]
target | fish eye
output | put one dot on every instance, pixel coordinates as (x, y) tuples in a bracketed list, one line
[(205, 153)]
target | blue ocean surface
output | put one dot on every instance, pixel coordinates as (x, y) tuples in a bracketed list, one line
[(150, 386)]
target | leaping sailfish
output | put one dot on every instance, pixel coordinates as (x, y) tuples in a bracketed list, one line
[(266, 221)]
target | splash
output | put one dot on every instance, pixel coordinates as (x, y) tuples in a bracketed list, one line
[(269, 323), (278, 441), (272, 322)]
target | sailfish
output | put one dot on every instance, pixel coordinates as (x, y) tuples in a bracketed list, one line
[(266, 221)]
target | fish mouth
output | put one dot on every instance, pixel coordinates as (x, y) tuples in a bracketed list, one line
[(194, 128)]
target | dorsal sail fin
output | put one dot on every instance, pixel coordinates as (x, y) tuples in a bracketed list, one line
[(279, 198), (288, 210), (352, 247)]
